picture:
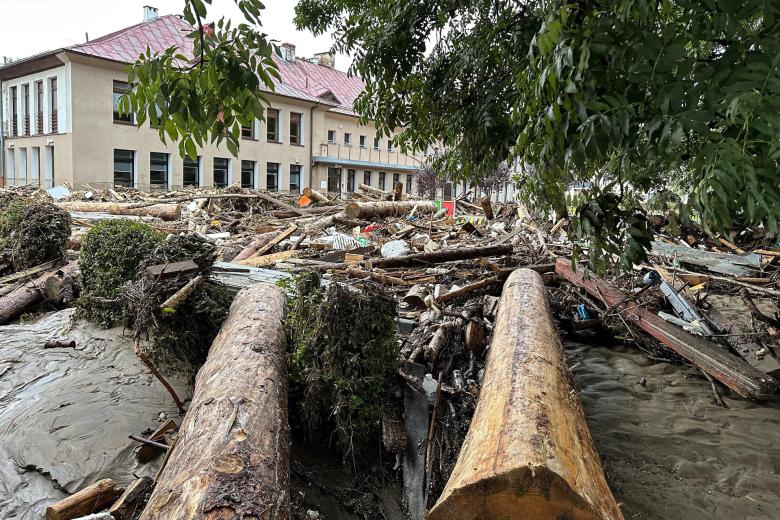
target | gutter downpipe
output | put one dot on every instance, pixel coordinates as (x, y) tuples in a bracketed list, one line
[(311, 143)]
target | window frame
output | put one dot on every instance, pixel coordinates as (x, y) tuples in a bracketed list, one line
[(268, 132), (296, 138), (367, 177), (332, 137), (363, 142), (382, 181), (53, 112), (351, 180), (298, 174), (39, 107), (252, 132), (166, 178), (184, 166), (214, 169), (347, 138), (253, 165), (377, 143), (276, 176), (131, 182), (408, 183), (128, 119)]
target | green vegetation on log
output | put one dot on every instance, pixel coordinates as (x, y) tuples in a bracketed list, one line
[(111, 255), (33, 232), (343, 358)]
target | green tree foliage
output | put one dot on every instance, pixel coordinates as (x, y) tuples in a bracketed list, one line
[(208, 97), (631, 95)]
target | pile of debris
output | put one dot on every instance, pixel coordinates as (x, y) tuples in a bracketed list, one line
[(451, 269)]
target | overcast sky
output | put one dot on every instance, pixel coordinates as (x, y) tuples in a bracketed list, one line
[(33, 26)]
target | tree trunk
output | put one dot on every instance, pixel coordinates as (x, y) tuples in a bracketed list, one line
[(445, 255), (369, 210), (91, 499), (256, 244), (14, 303), (315, 195), (528, 452), (162, 211), (231, 459), (375, 192)]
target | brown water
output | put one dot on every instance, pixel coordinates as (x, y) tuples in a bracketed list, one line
[(669, 452), (65, 413)]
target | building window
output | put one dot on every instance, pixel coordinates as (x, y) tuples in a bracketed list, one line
[(14, 111), (158, 171), (367, 178), (26, 108), (53, 105), (296, 129), (295, 178), (39, 107), (396, 180), (191, 175), (221, 166), (331, 136), (381, 180), (390, 145), (408, 183), (347, 139), (272, 176), (120, 87), (124, 168), (363, 140), (350, 180), (248, 132), (272, 120), (376, 143), (248, 174)]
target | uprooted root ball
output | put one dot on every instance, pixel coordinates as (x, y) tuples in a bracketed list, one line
[(111, 256), (343, 361), (33, 232)]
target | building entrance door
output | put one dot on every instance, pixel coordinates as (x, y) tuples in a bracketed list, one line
[(334, 180)]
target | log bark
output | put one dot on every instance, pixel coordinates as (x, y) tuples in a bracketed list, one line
[(126, 505), (256, 244), (231, 459), (376, 192), (528, 452), (487, 207), (468, 289), (370, 210), (181, 295), (727, 368), (385, 279), (399, 191), (161, 211), (88, 500), (445, 255), (14, 303), (315, 195)]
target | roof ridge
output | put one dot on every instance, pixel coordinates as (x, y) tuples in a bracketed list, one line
[(110, 36)]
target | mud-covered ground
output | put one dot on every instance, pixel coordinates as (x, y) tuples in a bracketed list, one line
[(669, 452)]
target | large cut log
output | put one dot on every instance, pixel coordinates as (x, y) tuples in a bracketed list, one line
[(14, 303), (369, 210), (231, 459), (374, 192), (91, 499), (528, 452), (256, 244), (162, 211), (315, 195), (719, 363), (445, 255)]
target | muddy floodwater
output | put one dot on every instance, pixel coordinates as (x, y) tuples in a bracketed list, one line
[(668, 451)]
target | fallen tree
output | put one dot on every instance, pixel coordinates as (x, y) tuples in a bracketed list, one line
[(371, 210), (445, 255), (374, 192), (727, 368), (161, 211), (528, 452), (17, 301), (231, 459)]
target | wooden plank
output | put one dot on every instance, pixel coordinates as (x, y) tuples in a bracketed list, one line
[(730, 370), (266, 260), (273, 242), (169, 270)]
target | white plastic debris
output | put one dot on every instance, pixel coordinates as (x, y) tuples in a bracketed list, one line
[(395, 248), (429, 385), (58, 192)]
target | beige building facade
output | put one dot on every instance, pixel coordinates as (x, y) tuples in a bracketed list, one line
[(60, 126)]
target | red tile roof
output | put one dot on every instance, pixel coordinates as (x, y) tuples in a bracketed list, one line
[(301, 79)]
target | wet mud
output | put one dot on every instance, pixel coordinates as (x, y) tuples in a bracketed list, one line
[(65, 413), (668, 451)]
